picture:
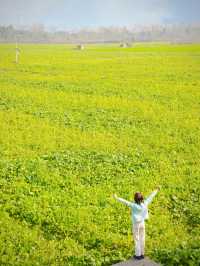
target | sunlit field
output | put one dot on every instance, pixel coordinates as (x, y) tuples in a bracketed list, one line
[(78, 126)]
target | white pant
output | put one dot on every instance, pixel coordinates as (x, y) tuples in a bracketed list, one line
[(139, 238)]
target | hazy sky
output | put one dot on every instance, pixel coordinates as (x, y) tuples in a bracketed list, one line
[(93, 13)]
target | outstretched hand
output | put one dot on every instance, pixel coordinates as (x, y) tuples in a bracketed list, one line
[(114, 196)]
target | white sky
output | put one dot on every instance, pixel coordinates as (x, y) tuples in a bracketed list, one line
[(93, 13)]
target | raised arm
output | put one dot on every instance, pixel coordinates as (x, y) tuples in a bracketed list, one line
[(125, 202), (149, 199)]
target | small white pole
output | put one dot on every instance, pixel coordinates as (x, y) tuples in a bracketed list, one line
[(17, 51)]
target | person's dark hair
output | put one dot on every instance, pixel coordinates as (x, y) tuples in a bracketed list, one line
[(138, 198)]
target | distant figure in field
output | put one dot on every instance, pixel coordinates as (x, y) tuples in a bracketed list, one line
[(123, 45), (80, 47), (139, 213)]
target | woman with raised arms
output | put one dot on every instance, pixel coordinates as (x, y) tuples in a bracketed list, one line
[(139, 213)]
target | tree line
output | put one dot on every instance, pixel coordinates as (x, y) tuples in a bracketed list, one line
[(37, 34)]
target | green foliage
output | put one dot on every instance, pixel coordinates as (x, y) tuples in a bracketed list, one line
[(186, 254), (78, 127)]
